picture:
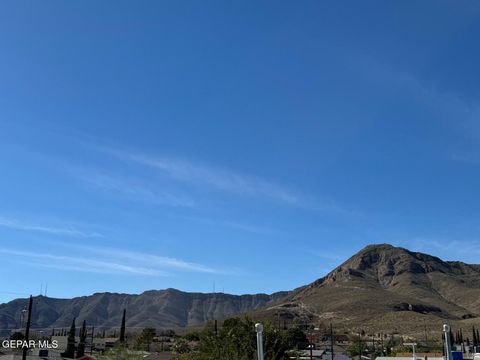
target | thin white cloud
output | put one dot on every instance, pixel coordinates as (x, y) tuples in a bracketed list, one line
[(82, 264), (213, 177), (461, 113), (327, 255), (201, 176), (132, 189), (153, 261), (15, 224), (456, 250), (244, 227)]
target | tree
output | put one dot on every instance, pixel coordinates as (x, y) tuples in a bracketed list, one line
[(169, 333), (236, 340), (181, 346), (17, 336), (82, 340), (122, 328), (70, 351), (145, 338), (192, 336)]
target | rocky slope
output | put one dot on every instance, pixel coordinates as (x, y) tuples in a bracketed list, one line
[(388, 288), (163, 309)]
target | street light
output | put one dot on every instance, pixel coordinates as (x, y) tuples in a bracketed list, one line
[(22, 317), (413, 347), (448, 345), (311, 351), (259, 330)]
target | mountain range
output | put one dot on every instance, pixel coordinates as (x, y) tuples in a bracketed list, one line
[(382, 288), (388, 289)]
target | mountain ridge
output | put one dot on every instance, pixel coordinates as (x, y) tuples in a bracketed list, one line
[(380, 287), (384, 287), (165, 309)]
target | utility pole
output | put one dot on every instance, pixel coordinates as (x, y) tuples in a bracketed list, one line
[(425, 330), (373, 342), (331, 340), (359, 345), (92, 340), (122, 328), (27, 329)]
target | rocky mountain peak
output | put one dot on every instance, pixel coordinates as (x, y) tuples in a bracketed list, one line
[(380, 263)]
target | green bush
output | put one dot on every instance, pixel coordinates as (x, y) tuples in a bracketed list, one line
[(236, 340)]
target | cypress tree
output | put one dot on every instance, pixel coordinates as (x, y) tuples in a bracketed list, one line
[(81, 343), (70, 351), (122, 328), (478, 337)]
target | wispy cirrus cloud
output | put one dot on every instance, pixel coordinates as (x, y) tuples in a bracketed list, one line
[(458, 250), (152, 260), (460, 113), (166, 179), (106, 260), (447, 105), (81, 264), (16, 224), (217, 178), (133, 189), (244, 227), (327, 255)]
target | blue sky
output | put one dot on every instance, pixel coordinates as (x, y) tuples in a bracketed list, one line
[(254, 145)]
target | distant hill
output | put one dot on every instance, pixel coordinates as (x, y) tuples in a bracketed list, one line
[(386, 288), (163, 309), (382, 288)]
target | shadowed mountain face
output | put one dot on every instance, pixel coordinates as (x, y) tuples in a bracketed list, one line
[(388, 288), (164, 309), (381, 288)]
